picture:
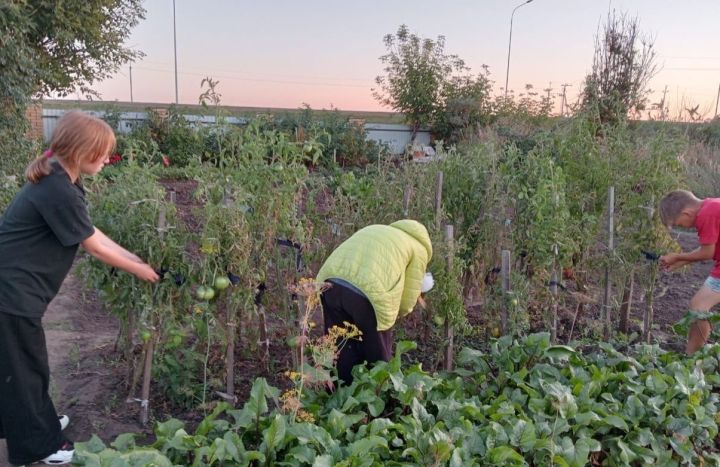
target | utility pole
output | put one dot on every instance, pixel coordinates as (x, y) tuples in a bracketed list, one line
[(175, 51), (131, 93), (663, 113), (563, 103)]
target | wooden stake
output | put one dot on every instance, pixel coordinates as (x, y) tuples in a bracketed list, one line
[(554, 294), (264, 339), (607, 307), (505, 276), (147, 374), (438, 199), (649, 309), (150, 346), (449, 329), (407, 196), (650, 292), (230, 351), (626, 303)]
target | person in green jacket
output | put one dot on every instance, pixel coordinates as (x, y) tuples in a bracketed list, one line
[(376, 276)]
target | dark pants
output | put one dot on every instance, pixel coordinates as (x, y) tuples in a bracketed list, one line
[(343, 304), (28, 420)]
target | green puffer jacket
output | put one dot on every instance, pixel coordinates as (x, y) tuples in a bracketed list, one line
[(387, 263)]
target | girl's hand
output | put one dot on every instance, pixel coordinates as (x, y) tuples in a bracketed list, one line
[(146, 272)]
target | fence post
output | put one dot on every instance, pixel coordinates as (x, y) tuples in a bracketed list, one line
[(407, 196), (554, 311), (626, 303), (150, 345), (650, 293), (505, 276), (438, 199), (449, 329), (607, 315)]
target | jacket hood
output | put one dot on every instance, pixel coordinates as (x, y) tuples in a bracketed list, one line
[(417, 231)]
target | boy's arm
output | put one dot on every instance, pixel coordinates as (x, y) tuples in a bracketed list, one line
[(677, 265), (702, 253)]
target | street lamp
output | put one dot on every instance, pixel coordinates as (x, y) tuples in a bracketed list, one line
[(175, 51), (507, 72)]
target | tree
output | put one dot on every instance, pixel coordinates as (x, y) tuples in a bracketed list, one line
[(623, 64), (466, 105), (417, 74), (50, 46)]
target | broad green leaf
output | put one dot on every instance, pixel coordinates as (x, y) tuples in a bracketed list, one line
[(615, 421), (505, 455), (366, 445), (323, 461), (94, 445), (559, 352), (207, 424), (273, 436), (523, 435), (124, 442), (586, 418)]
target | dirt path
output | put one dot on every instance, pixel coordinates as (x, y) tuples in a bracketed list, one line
[(673, 294), (80, 338)]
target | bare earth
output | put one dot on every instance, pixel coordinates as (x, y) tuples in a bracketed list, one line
[(80, 336), (87, 381)]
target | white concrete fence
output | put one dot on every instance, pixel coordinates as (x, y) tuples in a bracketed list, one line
[(395, 136)]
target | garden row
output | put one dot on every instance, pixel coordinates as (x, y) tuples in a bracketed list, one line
[(523, 402), (238, 213)]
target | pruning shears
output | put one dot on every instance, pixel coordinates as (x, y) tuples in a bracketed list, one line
[(177, 277), (650, 256)]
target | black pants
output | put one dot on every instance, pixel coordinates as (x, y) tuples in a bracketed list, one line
[(28, 420), (343, 304)]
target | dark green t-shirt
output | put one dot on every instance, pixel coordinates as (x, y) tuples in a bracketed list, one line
[(39, 237)]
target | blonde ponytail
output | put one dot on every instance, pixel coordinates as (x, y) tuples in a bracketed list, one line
[(38, 169)]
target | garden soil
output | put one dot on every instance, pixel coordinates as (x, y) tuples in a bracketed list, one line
[(89, 378)]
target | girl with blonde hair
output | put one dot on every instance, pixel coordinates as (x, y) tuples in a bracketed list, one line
[(40, 233)]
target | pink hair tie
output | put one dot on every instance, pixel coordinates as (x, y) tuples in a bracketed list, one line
[(48, 153)]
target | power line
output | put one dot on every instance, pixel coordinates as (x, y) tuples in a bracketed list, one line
[(344, 85), (252, 73), (691, 69)]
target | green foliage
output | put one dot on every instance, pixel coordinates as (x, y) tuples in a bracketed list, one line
[(170, 135), (327, 134), (467, 107), (523, 402), (427, 85), (49, 47), (623, 64)]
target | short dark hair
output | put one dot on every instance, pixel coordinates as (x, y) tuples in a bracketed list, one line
[(673, 203)]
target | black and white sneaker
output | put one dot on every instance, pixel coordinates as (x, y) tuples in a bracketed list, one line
[(62, 456), (64, 421)]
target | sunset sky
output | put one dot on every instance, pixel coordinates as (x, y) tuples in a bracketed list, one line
[(282, 53)]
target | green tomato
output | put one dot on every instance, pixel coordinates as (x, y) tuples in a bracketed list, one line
[(439, 320), (222, 282), (209, 293), (201, 293), (145, 335)]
